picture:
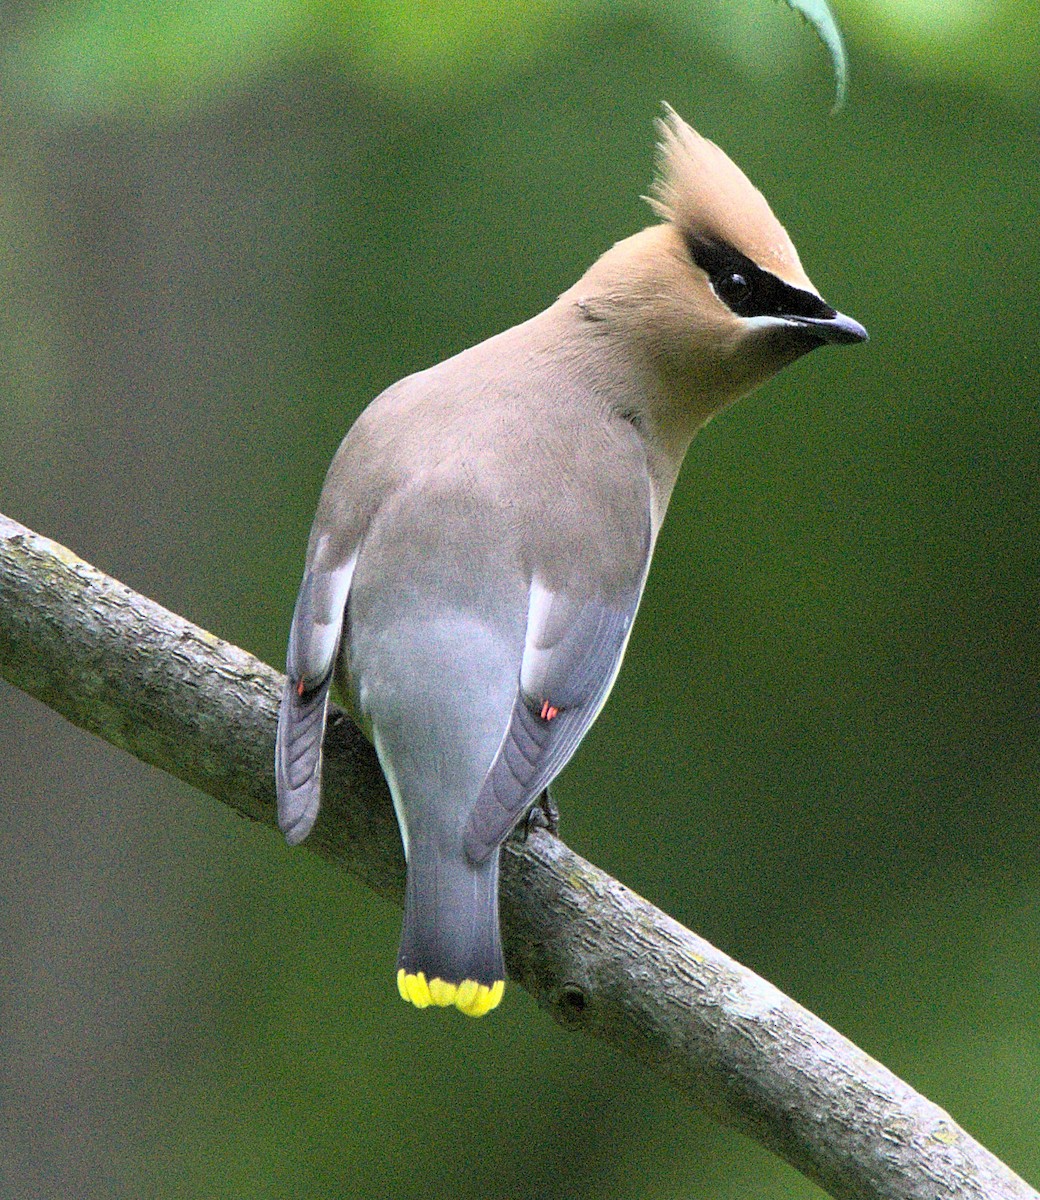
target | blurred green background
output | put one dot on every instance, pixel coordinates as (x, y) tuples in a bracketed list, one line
[(223, 229)]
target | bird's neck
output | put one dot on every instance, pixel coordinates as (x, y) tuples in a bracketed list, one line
[(600, 368)]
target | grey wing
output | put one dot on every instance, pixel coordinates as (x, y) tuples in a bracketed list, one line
[(313, 644), (571, 659)]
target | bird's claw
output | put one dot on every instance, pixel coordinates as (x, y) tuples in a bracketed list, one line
[(543, 814)]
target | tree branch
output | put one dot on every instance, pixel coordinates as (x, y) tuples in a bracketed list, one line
[(590, 951)]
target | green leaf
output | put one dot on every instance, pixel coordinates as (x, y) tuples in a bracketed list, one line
[(153, 55), (820, 17)]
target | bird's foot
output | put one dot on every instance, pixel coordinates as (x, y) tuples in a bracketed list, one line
[(543, 814)]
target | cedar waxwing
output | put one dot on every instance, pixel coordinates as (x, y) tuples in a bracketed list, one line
[(485, 531)]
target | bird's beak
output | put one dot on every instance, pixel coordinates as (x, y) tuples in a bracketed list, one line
[(837, 328)]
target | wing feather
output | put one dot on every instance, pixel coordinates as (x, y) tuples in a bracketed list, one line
[(571, 658), (314, 639)]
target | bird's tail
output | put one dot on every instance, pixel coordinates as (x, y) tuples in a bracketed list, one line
[(451, 949)]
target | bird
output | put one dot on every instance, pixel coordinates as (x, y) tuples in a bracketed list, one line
[(484, 534)]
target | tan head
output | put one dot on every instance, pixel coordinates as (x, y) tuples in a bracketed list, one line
[(714, 300), (708, 198)]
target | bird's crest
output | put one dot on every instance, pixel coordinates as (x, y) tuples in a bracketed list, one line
[(707, 196)]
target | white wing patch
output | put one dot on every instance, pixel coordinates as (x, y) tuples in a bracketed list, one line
[(317, 626), (542, 636), (318, 620), (572, 655)]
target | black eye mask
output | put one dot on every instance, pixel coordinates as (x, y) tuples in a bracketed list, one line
[(747, 290)]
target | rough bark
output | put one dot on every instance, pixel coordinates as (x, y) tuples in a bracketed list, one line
[(593, 953)]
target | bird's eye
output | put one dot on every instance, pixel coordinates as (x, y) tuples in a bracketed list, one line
[(732, 288)]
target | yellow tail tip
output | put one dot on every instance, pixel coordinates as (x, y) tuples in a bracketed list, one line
[(473, 998)]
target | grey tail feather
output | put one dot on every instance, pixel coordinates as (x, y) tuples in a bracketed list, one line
[(451, 918), (301, 729)]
